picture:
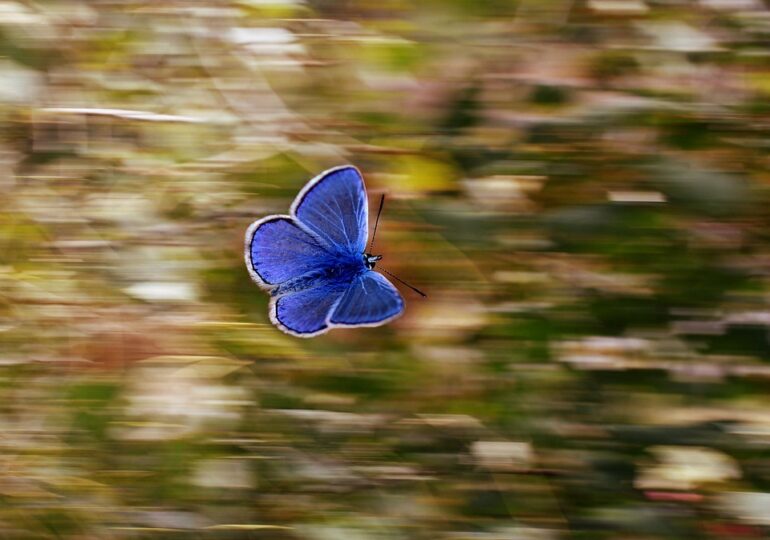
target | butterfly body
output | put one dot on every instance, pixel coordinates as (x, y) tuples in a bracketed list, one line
[(334, 277), (314, 264)]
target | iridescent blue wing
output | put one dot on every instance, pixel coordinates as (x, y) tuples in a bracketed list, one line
[(305, 313), (277, 250), (370, 300), (333, 207)]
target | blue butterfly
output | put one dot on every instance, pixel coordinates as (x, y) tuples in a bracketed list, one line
[(314, 261)]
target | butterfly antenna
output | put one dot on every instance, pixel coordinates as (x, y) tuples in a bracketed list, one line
[(376, 222), (402, 282)]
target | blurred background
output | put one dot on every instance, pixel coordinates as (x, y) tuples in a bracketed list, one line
[(580, 186)]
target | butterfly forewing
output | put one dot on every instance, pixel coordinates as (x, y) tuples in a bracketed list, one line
[(334, 207), (280, 250)]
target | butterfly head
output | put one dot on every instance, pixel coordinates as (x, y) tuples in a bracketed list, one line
[(371, 260)]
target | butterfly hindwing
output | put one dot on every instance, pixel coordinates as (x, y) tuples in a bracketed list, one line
[(333, 206), (369, 300), (305, 313), (277, 250)]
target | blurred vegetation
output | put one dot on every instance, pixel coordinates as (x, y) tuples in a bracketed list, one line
[(581, 186)]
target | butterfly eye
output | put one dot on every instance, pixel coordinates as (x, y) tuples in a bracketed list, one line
[(371, 260)]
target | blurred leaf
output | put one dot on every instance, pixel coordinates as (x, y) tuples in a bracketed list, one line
[(704, 190)]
